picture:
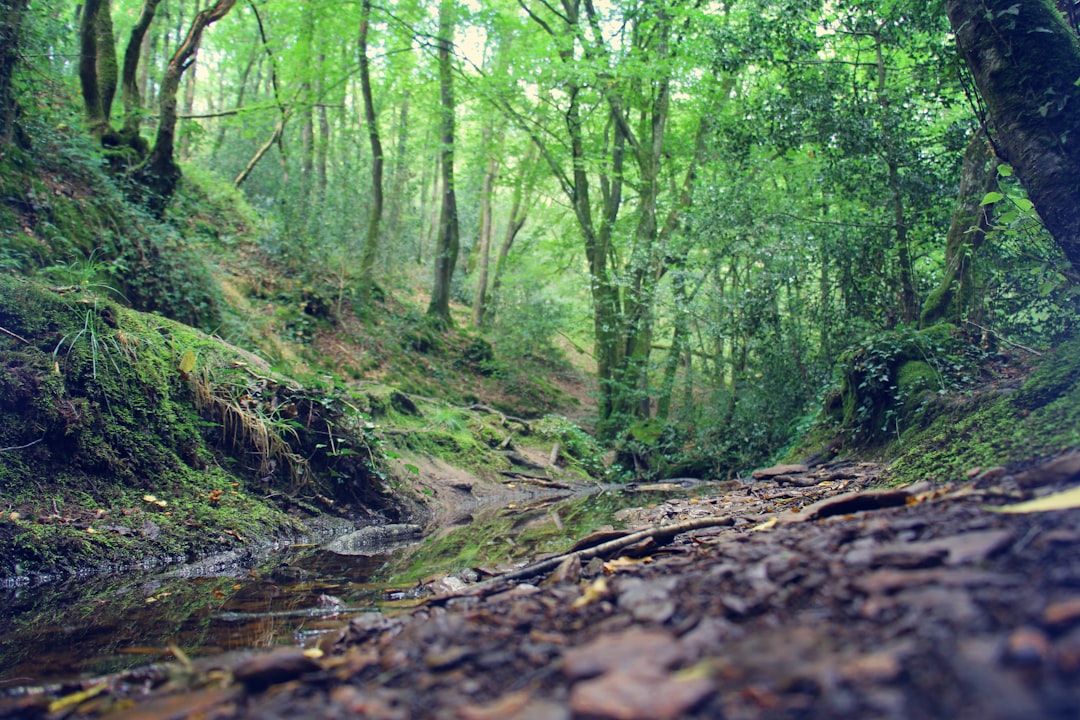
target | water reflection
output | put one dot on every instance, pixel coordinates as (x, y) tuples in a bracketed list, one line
[(99, 625)]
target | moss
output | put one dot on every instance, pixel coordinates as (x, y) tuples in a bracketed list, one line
[(98, 412), (997, 427)]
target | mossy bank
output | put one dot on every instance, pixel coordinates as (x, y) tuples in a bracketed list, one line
[(128, 438)]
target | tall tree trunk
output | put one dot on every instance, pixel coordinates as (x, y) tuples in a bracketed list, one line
[(371, 237), (967, 230), (323, 145), (446, 251), (1025, 62), (12, 13), (401, 173), (130, 92), (486, 231), (514, 222), (107, 67), (88, 66), (160, 173)]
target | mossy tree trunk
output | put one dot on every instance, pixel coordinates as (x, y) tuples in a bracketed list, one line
[(1025, 62), (160, 174), (371, 237), (954, 295), (446, 251), (130, 94), (12, 13)]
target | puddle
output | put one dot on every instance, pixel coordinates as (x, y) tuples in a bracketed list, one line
[(94, 626)]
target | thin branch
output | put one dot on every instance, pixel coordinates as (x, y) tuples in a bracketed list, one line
[(17, 337), (23, 447), (1005, 340), (662, 534)]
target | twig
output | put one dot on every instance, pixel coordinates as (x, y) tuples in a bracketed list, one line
[(663, 533), (17, 337), (23, 447), (1005, 340)]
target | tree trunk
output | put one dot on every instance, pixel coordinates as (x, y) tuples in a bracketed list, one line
[(967, 230), (88, 66), (514, 222), (130, 94), (480, 300), (1025, 62), (371, 237), (160, 174), (446, 251), (401, 170), (12, 13)]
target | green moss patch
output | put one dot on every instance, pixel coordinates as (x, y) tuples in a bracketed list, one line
[(126, 436)]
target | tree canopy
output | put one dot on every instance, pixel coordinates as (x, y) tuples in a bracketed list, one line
[(711, 201)]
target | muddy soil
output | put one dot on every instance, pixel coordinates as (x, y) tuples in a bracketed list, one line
[(801, 593)]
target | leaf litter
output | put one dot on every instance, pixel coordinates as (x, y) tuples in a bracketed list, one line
[(812, 596)]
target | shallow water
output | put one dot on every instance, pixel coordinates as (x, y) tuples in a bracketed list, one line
[(295, 596)]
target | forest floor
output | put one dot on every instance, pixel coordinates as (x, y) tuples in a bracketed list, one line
[(800, 592)]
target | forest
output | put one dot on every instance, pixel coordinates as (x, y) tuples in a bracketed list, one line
[(694, 208), (289, 281)]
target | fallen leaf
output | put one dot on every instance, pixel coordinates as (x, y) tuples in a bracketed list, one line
[(77, 698), (767, 525), (597, 590), (1064, 500)]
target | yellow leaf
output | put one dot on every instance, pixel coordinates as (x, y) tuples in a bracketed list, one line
[(1064, 500), (187, 362), (767, 525), (313, 653), (596, 591), (77, 698)]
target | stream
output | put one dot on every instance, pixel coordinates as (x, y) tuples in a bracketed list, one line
[(291, 595)]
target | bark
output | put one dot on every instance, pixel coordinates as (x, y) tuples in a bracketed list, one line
[(12, 13), (323, 145), (130, 93), (160, 174), (1025, 62), (88, 74), (401, 170), (953, 297), (107, 69), (484, 251), (446, 251), (371, 237), (514, 222)]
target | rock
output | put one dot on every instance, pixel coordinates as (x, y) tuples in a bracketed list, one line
[(775, 470), (1058, 470), (631, 696), (278, 666), (1062, 615), (852, 502), (1026, 647), (634, 649), (648, 600), (374, 540)]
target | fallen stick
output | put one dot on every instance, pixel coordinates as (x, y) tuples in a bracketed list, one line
[(662, 534), (17, 337)]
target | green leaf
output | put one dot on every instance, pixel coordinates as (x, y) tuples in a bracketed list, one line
[(991, 198), (1006, 170)]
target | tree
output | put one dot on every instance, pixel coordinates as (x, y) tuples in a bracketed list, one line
[(157, 170), (160, 173), (371, 237), (12, 13), (446, 250), (1025, 62)]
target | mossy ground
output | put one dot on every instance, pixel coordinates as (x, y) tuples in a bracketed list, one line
[(127, 436), (999, 426)]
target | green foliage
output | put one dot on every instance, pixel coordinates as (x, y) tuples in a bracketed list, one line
[(999, 425), (885, 380)]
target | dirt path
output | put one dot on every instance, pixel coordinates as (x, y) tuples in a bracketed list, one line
[(813, 598)]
